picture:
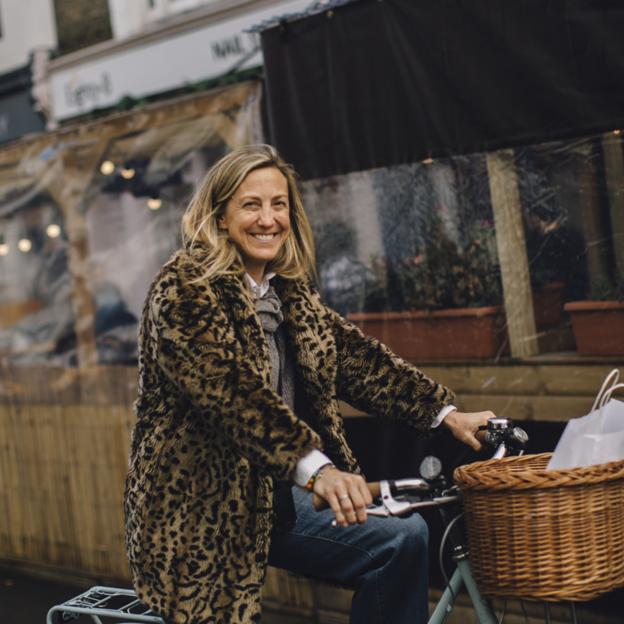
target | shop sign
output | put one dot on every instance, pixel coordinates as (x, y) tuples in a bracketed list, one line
[(163, 65)]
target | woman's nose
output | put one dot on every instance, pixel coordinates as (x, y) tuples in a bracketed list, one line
[(266, 216)]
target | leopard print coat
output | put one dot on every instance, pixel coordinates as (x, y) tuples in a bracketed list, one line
[(211, 435)]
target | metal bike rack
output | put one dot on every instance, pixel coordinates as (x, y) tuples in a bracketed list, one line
[(121, 605)]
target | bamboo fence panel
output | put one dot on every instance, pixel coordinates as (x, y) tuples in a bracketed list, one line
[(62, 470)]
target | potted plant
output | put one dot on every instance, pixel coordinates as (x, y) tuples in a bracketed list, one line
[(598, 323), (442, 303)]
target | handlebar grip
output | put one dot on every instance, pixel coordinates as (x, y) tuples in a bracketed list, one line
[(320, 503)]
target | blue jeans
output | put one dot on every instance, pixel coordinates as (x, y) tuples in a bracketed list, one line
[(384, 561)]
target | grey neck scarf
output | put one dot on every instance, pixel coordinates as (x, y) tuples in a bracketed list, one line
[(269, 309)]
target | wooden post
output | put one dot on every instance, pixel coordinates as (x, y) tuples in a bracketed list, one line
[(78, 167), (614, 173), (592, 213), (512, 253)]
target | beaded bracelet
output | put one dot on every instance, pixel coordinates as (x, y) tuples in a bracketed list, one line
[(316, 475)]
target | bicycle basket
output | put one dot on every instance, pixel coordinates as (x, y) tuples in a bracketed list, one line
[(538, 534)]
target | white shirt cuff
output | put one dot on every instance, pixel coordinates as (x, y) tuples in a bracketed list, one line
[(308, 465), (444, 412)]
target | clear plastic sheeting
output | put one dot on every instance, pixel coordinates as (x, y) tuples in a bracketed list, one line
[(379, 234), (37, 320), (86, 221), (132, 216), (427, 237), (87, 217)]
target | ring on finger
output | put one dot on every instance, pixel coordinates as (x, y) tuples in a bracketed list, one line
[(343, 497)]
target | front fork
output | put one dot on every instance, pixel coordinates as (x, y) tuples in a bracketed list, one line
[(461, 576)]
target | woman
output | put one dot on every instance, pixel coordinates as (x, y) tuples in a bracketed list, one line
[(240, 369)]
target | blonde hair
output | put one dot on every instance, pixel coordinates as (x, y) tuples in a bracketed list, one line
[(296, 258)]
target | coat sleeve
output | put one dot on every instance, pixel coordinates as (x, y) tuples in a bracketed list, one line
[(372, 378), (212, 373)]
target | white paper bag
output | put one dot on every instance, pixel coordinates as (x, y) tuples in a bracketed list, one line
[(597, 438)]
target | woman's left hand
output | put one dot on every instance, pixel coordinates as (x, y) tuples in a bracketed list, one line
[(465, 425)]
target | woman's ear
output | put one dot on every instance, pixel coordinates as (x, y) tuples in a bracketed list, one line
[(221, 224)]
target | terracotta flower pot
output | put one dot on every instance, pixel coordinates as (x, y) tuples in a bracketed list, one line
[(463, 333), (598, 326)]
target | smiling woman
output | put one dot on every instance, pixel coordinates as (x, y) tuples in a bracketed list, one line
[(240, 371)]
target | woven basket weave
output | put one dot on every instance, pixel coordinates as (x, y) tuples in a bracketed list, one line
[(540, 534)]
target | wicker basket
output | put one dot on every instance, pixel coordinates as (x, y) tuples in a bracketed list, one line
[(540, 534)]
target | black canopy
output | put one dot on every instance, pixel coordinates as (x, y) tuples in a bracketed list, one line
[(375, 83)]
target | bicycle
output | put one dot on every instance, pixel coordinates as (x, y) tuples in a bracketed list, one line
[(396, 498), (406, 496)]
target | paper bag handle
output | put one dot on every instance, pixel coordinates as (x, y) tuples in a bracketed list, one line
[(613, 377), (607, 395)]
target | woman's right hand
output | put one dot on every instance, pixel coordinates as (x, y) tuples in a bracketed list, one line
[(346, 493)]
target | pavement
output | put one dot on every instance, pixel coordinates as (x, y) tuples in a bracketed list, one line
[(25, 600)]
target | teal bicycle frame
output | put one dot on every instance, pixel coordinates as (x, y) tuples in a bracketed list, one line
[(462, 577)]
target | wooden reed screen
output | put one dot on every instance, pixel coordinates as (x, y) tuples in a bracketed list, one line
[(64, 439)]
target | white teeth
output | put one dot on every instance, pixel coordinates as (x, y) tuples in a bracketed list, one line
[(264, 237)]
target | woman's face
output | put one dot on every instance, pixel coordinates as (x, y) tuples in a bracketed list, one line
[(257, 218)]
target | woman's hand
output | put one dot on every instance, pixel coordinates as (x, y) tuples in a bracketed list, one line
[(464, 426), (345, 493)]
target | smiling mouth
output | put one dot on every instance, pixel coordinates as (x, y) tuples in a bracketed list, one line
[(264, 237)]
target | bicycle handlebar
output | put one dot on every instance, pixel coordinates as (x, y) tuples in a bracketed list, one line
[(499, 433)]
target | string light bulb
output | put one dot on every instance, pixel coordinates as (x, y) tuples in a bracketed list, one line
[(154, 203), (127, 174), (24, 245), (427, 161), (617, 132), (107, 167), (53, 230), (4, 249)]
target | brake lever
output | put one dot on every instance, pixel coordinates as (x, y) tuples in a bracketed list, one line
[(391, 506)]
